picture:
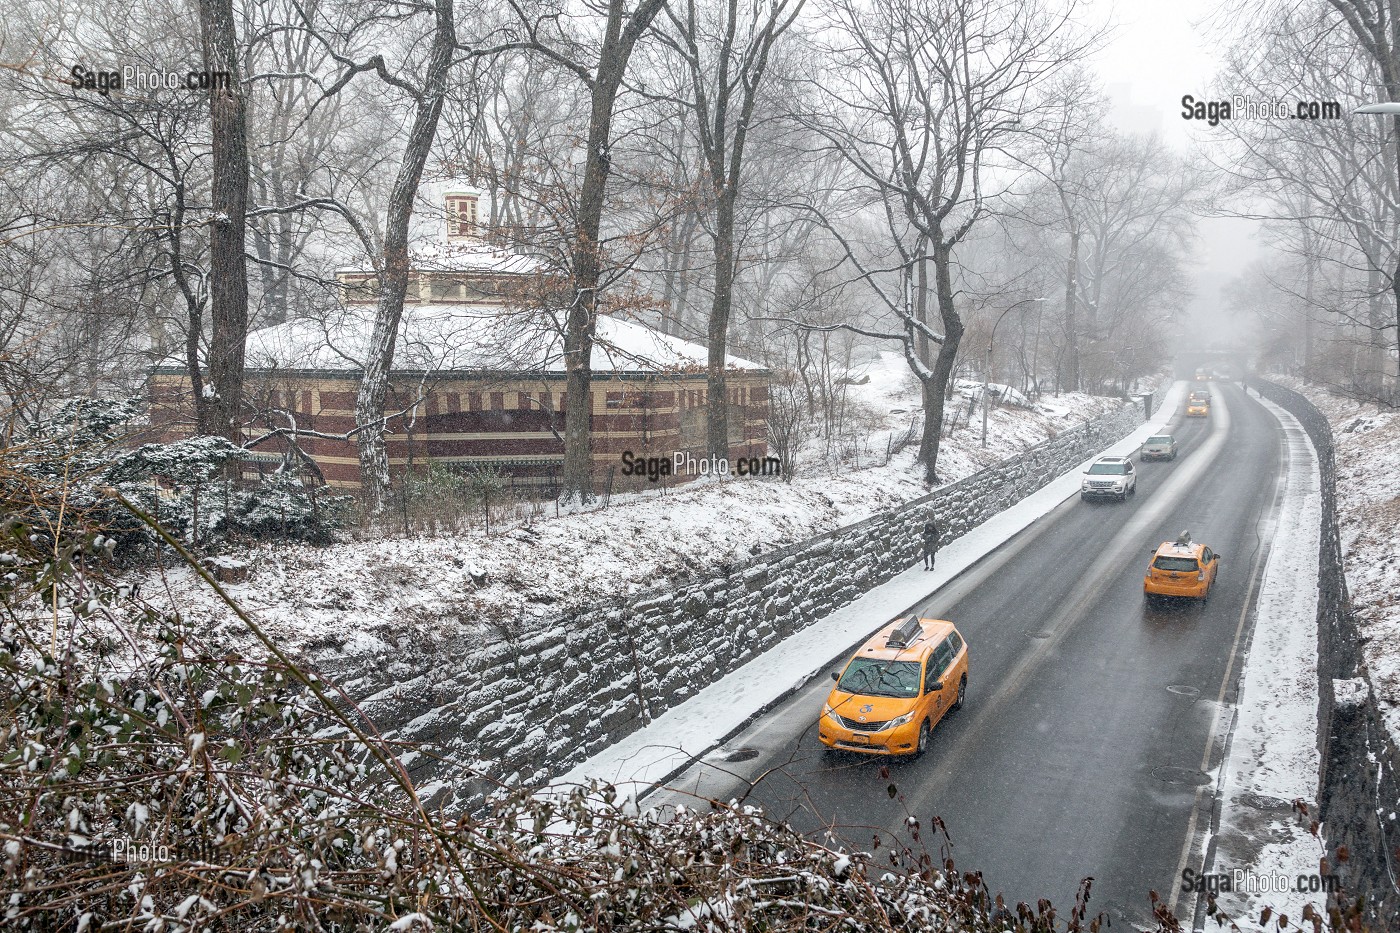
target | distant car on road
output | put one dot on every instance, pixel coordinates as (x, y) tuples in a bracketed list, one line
[(1158, 447), (1181, 568), (895, 689), (1197, 408), (1108, 478), (1202, 375)]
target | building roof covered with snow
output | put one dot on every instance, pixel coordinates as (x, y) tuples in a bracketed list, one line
[(459, 338)]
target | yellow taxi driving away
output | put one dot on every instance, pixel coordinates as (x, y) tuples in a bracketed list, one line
[(896, 688), (1181, 568)]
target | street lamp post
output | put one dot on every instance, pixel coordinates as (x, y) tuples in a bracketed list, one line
[(987, 368)]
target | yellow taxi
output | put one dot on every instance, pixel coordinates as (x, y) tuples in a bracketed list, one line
[(1197, 407), (896, 688), (1181, 568)]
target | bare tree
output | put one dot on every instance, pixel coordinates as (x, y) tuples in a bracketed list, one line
[(727, 51), (1374, 24), (1327, 189), (393, 266), (924, 95), (228, 270), (601, 73)]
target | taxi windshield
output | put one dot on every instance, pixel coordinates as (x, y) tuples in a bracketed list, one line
[(874, 677)]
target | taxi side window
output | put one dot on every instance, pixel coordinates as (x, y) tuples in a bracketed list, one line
[(955, 643), (1206, 556), (942, 659), (930, 673)]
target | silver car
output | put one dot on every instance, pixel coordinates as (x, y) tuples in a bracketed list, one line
[(1109, 477), (1158, 447)]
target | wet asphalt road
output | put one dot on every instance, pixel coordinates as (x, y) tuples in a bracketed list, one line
[(1094, 724)]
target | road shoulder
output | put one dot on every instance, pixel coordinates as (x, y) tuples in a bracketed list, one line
[(1258, 842)]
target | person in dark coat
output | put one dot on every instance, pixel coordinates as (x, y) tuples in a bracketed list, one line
[(930, 536)]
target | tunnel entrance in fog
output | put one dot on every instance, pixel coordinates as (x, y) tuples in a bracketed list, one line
[(1225, 362)]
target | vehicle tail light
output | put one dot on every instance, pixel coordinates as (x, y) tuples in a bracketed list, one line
[(1200, 574)]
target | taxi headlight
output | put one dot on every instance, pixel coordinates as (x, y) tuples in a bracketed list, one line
[(830, 713), (898, 721)]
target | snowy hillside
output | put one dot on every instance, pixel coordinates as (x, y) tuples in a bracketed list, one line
[(363, 593), (1367, 442)]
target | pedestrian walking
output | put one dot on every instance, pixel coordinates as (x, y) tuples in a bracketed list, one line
[(930, 537)]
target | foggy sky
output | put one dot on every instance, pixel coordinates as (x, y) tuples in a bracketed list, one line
[(1158, 51)]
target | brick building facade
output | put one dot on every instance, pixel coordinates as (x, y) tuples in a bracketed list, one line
[(477, 381)]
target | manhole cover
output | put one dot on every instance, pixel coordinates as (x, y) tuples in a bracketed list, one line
[(1037, 633), (740, 754), (1186, 776), (1266, 803), (1182, 690)]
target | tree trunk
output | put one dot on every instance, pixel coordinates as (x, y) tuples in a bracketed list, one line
[(1385, 348), (581, 321), (687, 259), (935, 387), (1394, 93), (1071, 318), (717, 388), (921, 305), (1308, 266), (228, 273), (393, 272)]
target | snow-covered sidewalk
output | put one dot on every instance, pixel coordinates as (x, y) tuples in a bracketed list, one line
[(687, 731), (1272, 759)]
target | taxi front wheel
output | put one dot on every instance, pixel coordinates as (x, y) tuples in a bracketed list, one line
[(924, 737)]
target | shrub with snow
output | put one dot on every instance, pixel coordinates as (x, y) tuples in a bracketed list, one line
[(183, 483)]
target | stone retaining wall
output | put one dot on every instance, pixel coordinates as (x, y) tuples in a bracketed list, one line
[(1359, 757), (516, 707)]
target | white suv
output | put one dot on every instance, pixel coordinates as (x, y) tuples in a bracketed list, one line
[(1109, 477)]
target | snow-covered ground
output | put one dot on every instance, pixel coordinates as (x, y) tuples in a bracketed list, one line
[(362, 594), (1367, 449), (1263, 849)]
